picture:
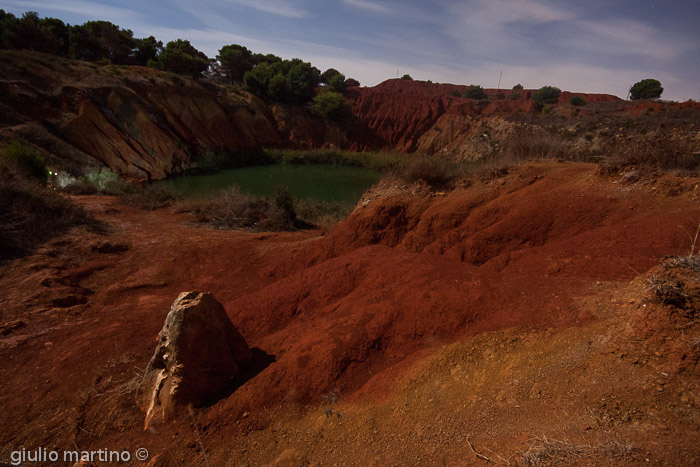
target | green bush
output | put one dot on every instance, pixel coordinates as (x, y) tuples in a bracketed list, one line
[(475, 92), (331, 105), (102, 179), (518, 86), (25, 161), (514, 96), (547, 95), (577, 101), (407, 77), (646, 89)]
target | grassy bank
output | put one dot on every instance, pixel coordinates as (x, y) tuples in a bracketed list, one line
[(381, 161)]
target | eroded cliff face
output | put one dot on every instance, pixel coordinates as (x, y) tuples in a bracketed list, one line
[(434, 118), (143, 123), (148, 124)]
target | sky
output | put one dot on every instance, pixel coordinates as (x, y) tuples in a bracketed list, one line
[(594, 46)]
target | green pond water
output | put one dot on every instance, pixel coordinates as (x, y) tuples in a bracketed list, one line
[(321, 182)]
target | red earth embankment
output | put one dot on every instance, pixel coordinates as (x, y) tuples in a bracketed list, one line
[(395, 114), (409, 271)]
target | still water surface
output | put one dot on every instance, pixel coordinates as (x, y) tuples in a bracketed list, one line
[(321, 182)]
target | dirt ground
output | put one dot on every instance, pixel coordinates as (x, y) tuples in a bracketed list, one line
[(509, 321)]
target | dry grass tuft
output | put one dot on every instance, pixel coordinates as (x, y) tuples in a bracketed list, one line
[(669, 291), (545, 451)]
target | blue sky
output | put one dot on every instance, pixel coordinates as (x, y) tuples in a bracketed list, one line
[(592, 46)]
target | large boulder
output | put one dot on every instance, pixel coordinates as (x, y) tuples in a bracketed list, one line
[(198, 354)]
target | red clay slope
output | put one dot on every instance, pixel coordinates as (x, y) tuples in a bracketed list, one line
[(409, 270), (394, 114)]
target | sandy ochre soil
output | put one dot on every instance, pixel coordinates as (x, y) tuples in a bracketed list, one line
[(509, 321)]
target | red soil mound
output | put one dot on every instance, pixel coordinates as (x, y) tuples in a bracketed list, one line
[(408, 271)]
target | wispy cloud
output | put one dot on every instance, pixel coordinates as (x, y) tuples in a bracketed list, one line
[(82, 7), (623, 37), (367, 5), (275, 7)]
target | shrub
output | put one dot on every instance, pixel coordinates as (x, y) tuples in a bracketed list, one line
[(330, 105), (514, 96), (407, 77), (434, 171), (232, 208), (518, 86), (475, 92), (26, 162), (662, 151), (30, 215), (102, 179), (149, 197), (577, 101), (282, 216), (322, 214), (646, 89), (80, 187), (546, 95)]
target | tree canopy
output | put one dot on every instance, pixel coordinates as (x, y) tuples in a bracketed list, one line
[(235, 61), (281, 80), (646, 89), (180, 56), (265, 75), (330, 105)]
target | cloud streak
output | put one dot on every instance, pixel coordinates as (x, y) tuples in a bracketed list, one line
[(275, 7), (366, 5), (93, 10)]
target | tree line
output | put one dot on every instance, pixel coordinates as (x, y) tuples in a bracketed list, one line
[(265, 75)]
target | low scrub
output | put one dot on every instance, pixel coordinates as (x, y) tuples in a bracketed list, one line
[(233, 208), (382, 161), (31, 214), (24, 162), (322, 214), (148, 197), (656, 151), (434, 171)]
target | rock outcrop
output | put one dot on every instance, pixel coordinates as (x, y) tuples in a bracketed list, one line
[(409, 116), (143, 123), (198, 354)]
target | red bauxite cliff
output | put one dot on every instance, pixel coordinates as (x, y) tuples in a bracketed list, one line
[(395, 114)]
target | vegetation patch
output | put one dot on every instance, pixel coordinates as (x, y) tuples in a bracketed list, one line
[(31, 214), (24, 162), (232, 208), (434, 171)]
